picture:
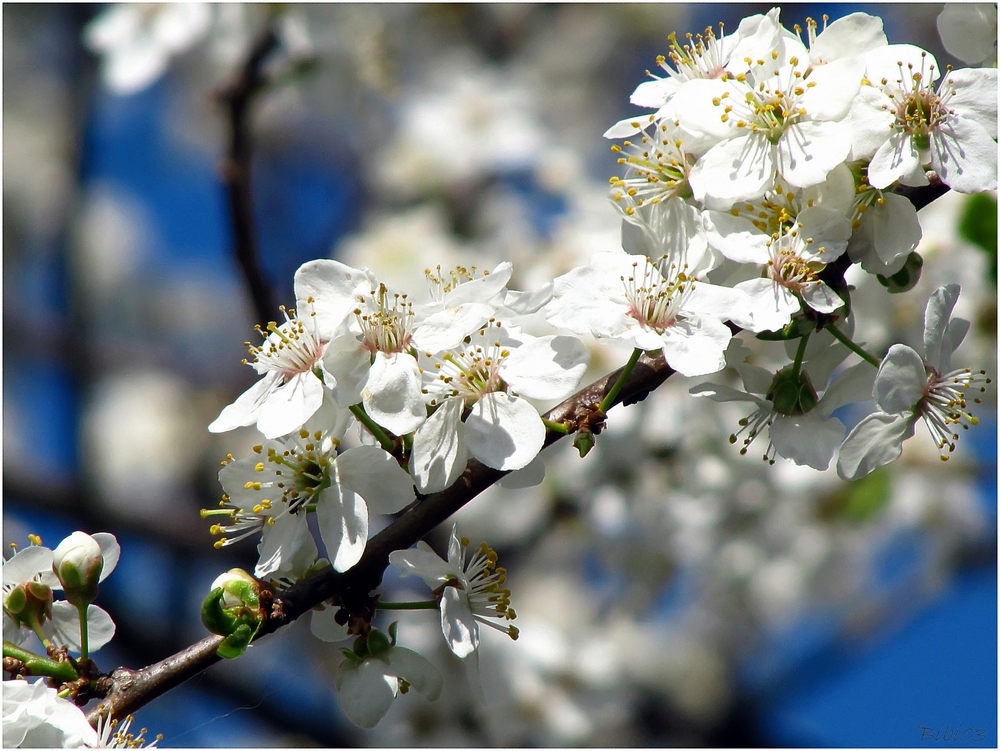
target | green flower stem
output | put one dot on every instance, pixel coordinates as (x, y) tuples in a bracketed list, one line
[(558, 427), (843, 339), (36, 626), (84, 631), (422, 605), (380, 435), (800, 353), (38, 665), (613, 394)]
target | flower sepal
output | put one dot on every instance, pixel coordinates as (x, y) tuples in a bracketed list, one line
[(792, 393), (906, 278), (798, 327), (233, 610)]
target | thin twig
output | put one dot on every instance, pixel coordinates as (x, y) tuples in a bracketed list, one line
[(238, 97)]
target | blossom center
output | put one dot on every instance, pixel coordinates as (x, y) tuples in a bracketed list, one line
[(655, 300), (658, 170), (470, 372), (770, 102), (943, 405), (441, 284), (386, 323), (293, 348), (703, 56), (919, 107), (787, 267)]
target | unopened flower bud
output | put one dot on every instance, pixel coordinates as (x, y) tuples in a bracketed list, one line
[(29, 603), (232, 609), (78, 562)]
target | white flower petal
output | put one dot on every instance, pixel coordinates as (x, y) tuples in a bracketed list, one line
[(459, 627), (697, 345), (976, 93), (392, 396), (422, 561), (416, 671), (738, 169), (334, 287), (325, 628), (25, 563), (808, 151), (900, 381), (627, 127), (736, 237), (546, 367), (850, 35), (808, 439), (110, 550), (504, 432), (245, 409), (439, 449), (875, 441), (896, 159), (342, 517), (376, 476), (771, 304), (366, 691), (64, 628), (446, 328), (937, 316), (286, 547), (964, 155), (289, 406), (820, 297)]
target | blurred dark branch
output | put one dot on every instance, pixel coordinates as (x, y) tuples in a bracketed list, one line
[(237, 97)]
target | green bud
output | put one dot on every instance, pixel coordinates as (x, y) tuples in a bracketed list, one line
[(584, 442), (29, 603), (791, 394), (78, 563), (232, 609)]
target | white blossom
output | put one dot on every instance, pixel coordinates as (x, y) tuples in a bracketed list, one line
[(909, 388), (793, 261), (480, 391), (626, 298), (808, 437), (780, 118), (470, 591), (34, 563), (274, 490), (905, 123), (368, 686)]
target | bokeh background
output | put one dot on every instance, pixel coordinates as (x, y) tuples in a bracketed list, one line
[(668, 591)]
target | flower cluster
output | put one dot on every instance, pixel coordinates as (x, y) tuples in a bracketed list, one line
[(765, 175)]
